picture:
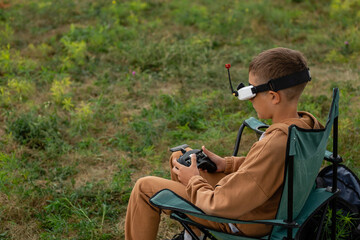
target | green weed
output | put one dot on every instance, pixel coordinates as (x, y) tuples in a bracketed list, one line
[(59, 91), (6, 34), (121, 180), (344, 225), (75, 53), (38, 132), (81, 118), (9, 164), (59, 211), (16, 91)]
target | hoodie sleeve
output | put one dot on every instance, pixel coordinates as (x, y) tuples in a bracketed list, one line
[(233, 164), (258, 177)]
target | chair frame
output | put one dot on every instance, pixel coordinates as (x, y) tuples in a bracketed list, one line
[(289, 223)]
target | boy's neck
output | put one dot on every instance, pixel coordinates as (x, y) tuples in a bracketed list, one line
[(282, 113)]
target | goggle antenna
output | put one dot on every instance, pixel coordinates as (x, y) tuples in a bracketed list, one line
[(228, 66)]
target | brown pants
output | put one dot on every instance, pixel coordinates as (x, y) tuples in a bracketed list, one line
[(142, 219)]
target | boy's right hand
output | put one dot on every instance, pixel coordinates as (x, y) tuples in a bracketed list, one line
[(219, 161)]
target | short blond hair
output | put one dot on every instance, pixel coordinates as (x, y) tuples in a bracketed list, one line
[(279, 62)]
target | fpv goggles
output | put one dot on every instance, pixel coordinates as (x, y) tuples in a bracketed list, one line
[(247, 92)]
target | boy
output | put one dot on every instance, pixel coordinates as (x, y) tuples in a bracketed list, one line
[(243, 188)]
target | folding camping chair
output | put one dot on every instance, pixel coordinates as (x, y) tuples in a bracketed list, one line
[(306, 150)]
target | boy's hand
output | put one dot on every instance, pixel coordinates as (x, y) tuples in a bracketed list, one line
[(184, 173), (219, 161)]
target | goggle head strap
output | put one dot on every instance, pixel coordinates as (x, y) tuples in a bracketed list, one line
[(284, 82)]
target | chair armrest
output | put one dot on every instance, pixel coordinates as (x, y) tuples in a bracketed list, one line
[(327, 155), (255, 124), (167, 199), (330, 158)]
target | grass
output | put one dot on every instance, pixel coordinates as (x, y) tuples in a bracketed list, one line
[(93, 94)]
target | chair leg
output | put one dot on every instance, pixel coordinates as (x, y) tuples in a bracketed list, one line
[(190, 231), (208, 235), (335, 165), (318, 235), (194, 236), (333, 219)]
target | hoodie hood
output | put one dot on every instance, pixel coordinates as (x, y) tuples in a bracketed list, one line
[(306, 121)]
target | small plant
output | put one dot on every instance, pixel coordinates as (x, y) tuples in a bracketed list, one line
[(38, 132), (6, 33), (5, 60), (76, 53), (9, 163), (20, 88), (121, 181), (13, 64), (345, 224), (59, 90), (67, 104), (5, 96), (346, 11), (15, 91), (62, 216), (41, 50), (81, 118)]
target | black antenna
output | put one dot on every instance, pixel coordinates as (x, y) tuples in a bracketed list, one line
[(228, 66)]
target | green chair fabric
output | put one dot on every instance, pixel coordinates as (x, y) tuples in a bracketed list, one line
[(255, 124), (306, 150)]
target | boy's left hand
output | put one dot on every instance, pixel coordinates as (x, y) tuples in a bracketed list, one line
[(184, 173)]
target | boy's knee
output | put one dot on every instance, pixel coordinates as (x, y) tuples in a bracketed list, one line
[(143, 183), (149, 185)]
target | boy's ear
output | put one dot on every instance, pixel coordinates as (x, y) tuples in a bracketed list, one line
[(275, 97)]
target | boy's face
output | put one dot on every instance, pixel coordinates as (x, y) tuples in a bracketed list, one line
[(261, 101)]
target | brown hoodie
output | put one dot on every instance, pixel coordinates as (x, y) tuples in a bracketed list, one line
[(253, 184)]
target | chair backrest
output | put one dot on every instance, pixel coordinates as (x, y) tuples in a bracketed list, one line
[(305, 153)]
